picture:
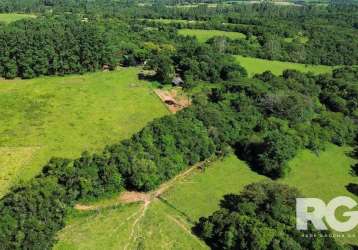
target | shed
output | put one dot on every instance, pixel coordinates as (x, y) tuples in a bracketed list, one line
[(177, 81)]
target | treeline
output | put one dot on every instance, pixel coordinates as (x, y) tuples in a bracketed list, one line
[(285, 33), (262, 216), (52, 46), (32, 214)]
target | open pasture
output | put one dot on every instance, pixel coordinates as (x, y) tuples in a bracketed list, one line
[(12, 17), (204, 35), (258, 66), (64, 116)]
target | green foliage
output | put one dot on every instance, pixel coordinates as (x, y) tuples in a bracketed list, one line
[(261, 217), (39, 207), (163, 65), (161, 150), (277, 149), (54, 46), (353, 188)]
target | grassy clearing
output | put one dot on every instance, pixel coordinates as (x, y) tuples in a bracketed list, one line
[(299, 38), (199, 195), (324, 176), (129, 227), (104, 229), (164, 228), (63, 116), (257, 66), (12, 17), (167, 221), (204, 35)]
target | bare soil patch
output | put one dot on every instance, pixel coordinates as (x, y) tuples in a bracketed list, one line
[(173, 100), (130, 197)]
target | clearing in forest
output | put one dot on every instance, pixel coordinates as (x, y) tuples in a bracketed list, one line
[(64, 116), (257, 66), (204, 35), (167, 221), (12, 17)]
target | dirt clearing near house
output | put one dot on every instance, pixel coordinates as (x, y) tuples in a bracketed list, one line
[(174, 99)]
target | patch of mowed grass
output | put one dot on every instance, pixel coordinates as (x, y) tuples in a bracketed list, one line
[(12, 17), (257, 66), (205, 35), (64, 116), (164, 228), (103, 229), (199, 194), (324, 175), (128, 227)]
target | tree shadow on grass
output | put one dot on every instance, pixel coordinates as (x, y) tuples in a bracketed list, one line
[(166, 202)]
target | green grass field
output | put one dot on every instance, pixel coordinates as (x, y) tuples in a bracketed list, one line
[(127, 227), (167, 221), (324, 176), (12, 17), (257, 65), (204, 35), (63, 116)]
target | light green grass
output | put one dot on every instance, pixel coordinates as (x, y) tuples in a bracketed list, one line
[(324, 176), (63, 116), (12, 17), (204, 35), (103, 229), (199, 194), (164, 228), (300, 38), (128, 227), (257, 66)]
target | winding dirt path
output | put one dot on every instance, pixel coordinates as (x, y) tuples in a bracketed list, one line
[(146, 199)]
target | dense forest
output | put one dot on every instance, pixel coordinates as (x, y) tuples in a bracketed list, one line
[(88, 41), (261, 217), (265, 120), (52, 47)]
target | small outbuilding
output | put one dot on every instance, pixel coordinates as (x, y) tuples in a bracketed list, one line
[(177, 81)]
